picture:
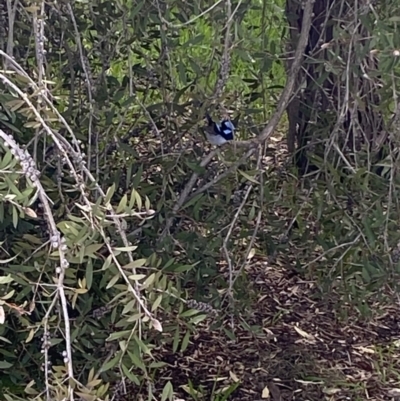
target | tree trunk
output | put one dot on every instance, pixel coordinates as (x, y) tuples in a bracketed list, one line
[(335, 102)]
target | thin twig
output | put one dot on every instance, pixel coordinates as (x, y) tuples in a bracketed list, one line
[(289, 87), (11, 11), (193, 19), (253, 237), (185, 194), (226, 55), (89, 79)]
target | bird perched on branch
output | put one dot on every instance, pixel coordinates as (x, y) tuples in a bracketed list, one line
[(219, 133)]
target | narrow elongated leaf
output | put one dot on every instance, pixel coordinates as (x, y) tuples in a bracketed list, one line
[(122, 204), (109, 194), (168, 392)]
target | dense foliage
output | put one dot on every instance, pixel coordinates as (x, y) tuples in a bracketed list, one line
[(124, 235)]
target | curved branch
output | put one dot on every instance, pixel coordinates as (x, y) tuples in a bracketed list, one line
[(290, 83), (282, 103)]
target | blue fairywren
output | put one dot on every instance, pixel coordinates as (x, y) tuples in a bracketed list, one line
[(219, 133)]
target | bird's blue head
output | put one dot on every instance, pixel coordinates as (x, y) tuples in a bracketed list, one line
[(219, 133)]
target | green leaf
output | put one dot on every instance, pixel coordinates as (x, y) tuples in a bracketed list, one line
[(182, 71), (137, 361), (175, 344), (195, 67), (129, 307), (147, 203), (111, 363), (6, 161), (198, 319), (92, 248), (149, 281), (365, 275), (248, 177), (89, 274), (107, 263), (135, 264), (137, 198), (122, 204), (5, 365), (185, 341), (156, 303), (189, 312), (128, 149), (137, 9), (193, 201), (138, 177), (6, 279), (132, 200), (244, 55), (195, 167), (230, 334), (252, 213), (368, 231), (169, 263), (157, 365), (11, 127), (109, 194), (14, 216), (133, 378), (113, 281), (119, 334), (168, 392), (193, 41), (229, 391), (142, 345), (126, 248), (136, 277)]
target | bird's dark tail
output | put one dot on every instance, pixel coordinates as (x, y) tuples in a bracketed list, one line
[(209, 119), (235, 121)]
